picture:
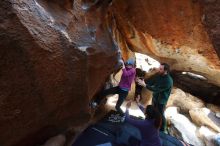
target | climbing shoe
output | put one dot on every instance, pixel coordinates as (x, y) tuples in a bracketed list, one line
[(93, 104)]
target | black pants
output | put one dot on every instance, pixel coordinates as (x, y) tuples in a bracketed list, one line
[(138, 90), (114, 90), (160, 108)]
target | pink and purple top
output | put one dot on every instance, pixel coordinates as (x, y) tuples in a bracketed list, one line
[(128, 75)]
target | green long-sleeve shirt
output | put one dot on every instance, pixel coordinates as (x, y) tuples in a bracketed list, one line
[(161, 86)]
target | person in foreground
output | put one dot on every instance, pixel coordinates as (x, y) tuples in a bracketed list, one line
[(161, 86), (149, 127), (127, 77)]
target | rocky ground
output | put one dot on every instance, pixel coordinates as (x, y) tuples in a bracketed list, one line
[(191, 119), (188, 117)]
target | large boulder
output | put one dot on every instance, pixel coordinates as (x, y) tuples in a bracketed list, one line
[(55, 55), (205, 117), (184, 101), (207, 135), (182, 127)]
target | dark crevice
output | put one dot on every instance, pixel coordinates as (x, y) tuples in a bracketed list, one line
[(208, 92)]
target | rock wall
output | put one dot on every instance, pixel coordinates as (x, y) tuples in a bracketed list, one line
[(170, 31), (199, 87), (211, 19), (54, 56)]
